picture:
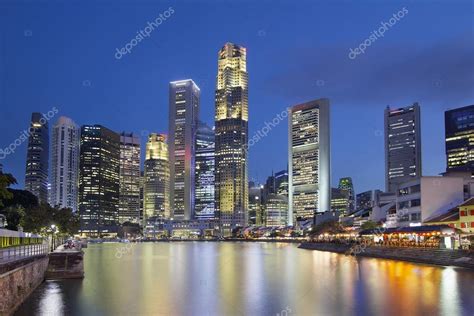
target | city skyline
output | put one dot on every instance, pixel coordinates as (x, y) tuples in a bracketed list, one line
[(436, 91)]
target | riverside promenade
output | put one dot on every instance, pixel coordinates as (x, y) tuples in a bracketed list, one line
[(444, 257), (26, 260)]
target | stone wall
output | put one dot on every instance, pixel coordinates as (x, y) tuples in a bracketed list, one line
[(17, 284), (445, 257), (65, 265)]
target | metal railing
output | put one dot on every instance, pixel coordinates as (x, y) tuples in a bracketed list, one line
[(16, 245)]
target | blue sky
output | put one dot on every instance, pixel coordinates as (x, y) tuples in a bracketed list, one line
[(61, 53)]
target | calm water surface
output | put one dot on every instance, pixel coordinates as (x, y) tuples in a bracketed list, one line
[(210, 278)]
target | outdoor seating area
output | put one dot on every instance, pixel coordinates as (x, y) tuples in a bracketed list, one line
[(435, 237)]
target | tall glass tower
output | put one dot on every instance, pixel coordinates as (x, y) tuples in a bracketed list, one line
[(347, 185), (157, 179), (37, 158), (231, 128), (99, 180), (402, 146), (184, 96), (65, 163), (309, 170), (129, 202), (459, 129), (205, 173)]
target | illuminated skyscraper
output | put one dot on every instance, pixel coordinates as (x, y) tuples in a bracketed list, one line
[(346, 185), (157, 178), (276, 210), (65, 163), (402, 146), (205, 173), (231, 121), (37, 158), (129, 205), (99, 180), (184, 99), (459, 128), (309, 167)]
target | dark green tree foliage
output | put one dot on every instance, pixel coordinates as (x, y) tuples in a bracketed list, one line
[(6, 180), (21, 207)]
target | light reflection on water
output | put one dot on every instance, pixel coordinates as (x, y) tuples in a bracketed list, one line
[(209, 278)]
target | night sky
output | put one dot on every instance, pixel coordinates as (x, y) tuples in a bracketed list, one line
[(61, 54)]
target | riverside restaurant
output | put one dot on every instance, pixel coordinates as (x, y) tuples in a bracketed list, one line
[(433, 236), (429, 236)]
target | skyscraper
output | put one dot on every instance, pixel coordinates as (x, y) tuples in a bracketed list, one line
[(184, 99), (157, 178), (37, 158), (99, 180), (347, 185), (309, 167), (402, 145), (129, 201), (205, 173), (231, 121), (256, 207), (276, 210), (65, 163), (340, 201), (459, 130)]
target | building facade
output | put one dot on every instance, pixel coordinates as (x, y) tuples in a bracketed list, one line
[(231, 128), (276, 210), (256, 205), (99, 180), (340, 201), (65, 150), (37, 158), (459, 131), (204, 202), (420, 199), (184, 101), (402, 146), (347, 185), (157, 179), (309, 167), (129, 201)]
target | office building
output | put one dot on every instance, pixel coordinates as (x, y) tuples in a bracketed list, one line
[(402, 146), (65, 150), (184, 98), (129, 201), (99, 180), (231, 128), (157, 179), (256, 204), (347, 185), (204, 202), (37, 157), (459, 131), (340, 201), (309, 167), (276, 210)]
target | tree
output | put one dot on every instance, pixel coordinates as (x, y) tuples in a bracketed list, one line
[(330, 227), (369, 225), (13, 215), (40, 218), (6, 180)]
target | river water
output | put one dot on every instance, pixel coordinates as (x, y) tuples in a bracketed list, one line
[(246, 278)]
